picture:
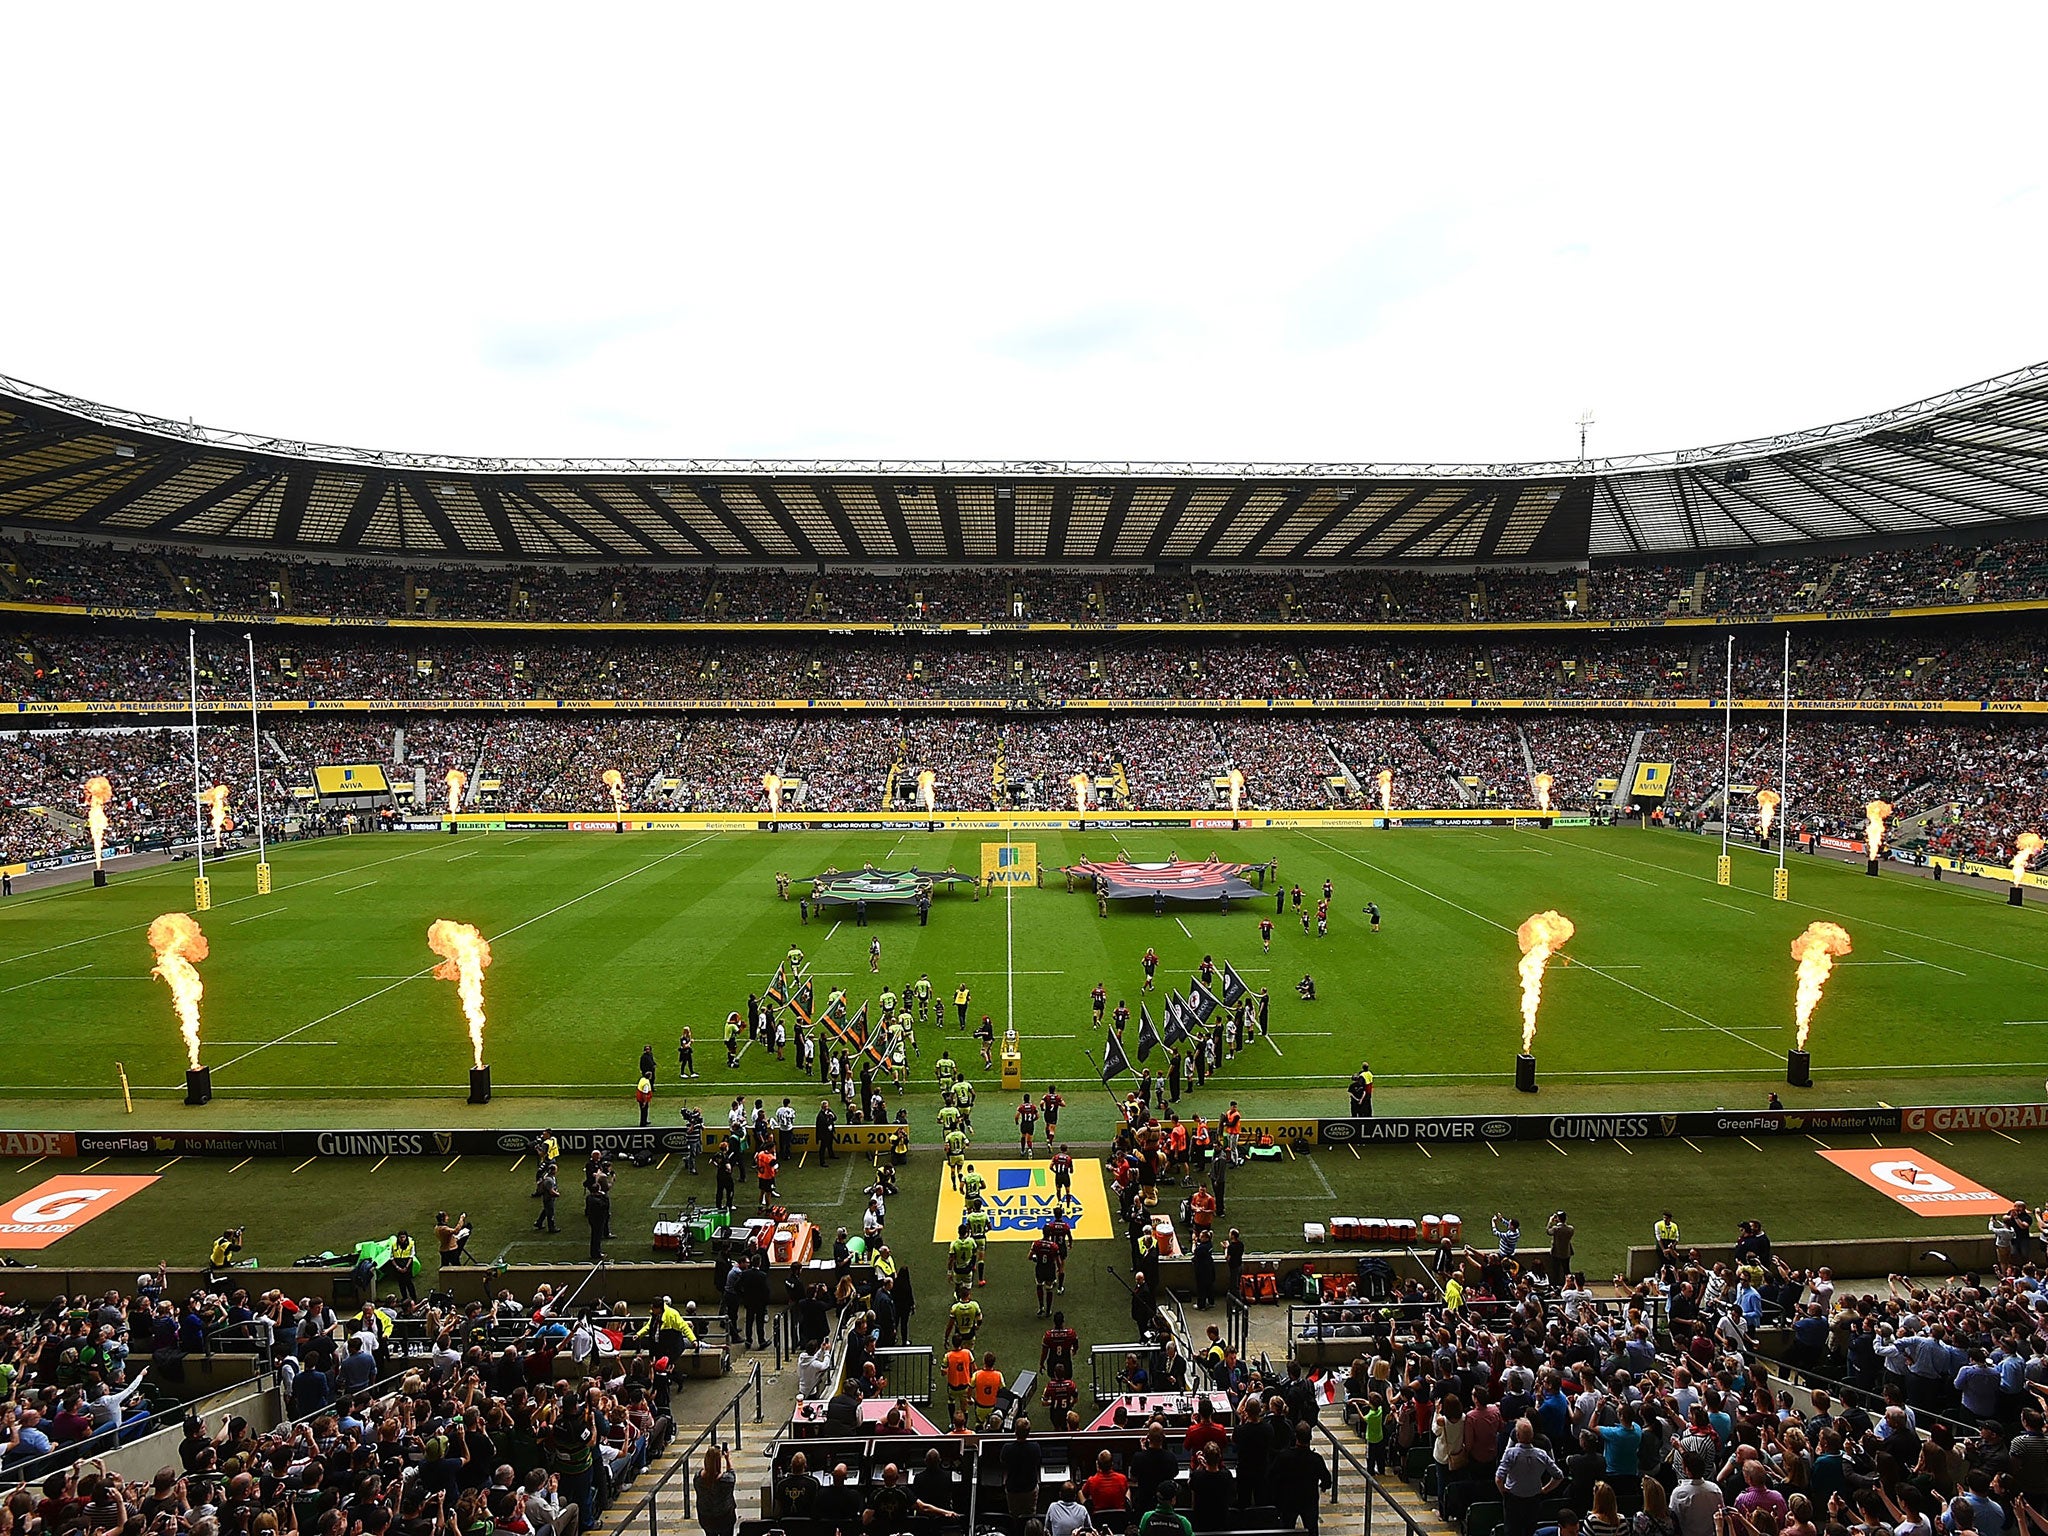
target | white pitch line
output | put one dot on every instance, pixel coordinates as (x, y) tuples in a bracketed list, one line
[(245, 1162), (828, 937), (1867, 922), (1506, 928), (255, 917), (1731, 907), (1183, 927), (461, 856), (172, 1163), (1560, 1151), (1941, 1138), (363, 887), (1916, 960), (1638, 880), (1753, 1145), (2013, 1139), (57, 976), (1322, 1178), (1624, 1147), (1488, 1145), (235, 901), (458, 1156), (380, 1162), (1420, 1148), (495, 938), (88, 1168), (24, 1168), (1690, 1142), (309, 1162)]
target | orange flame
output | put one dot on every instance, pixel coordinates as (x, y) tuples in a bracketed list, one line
[(179, 944), (772, 784), (616, 783), (1539, 937), (2024, 847), (455, 781), (1080, 786), (1386, 789), (927, 790), (1767, 803), (1542, 783), (216, 802), (464, 953), (97, 793), (1816, 950), (1873, 829), (1236, 789)]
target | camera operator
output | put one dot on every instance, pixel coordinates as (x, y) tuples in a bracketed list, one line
[(222, 1258)]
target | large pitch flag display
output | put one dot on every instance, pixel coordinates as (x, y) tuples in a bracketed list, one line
[(58, 1207), (1020, 1198)]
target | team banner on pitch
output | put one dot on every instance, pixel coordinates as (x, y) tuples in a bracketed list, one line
[(1009, 864), (1918, 1182)]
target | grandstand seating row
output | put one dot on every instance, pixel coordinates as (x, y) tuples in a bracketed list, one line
[(2001, 658), (1983, 780), (184, 579)]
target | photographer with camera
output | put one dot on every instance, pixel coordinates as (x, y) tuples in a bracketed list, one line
[(222, 1257)]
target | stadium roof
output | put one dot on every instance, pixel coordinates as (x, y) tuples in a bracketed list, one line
[(1970, 459)]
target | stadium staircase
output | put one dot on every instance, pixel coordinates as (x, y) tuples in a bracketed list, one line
[(1626, 782)]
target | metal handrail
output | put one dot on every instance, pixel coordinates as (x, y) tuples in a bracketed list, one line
[(1343, 1455), (651, 1500)]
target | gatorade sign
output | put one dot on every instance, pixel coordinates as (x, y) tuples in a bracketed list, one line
[(1009, 864), (1919, 1183), (56, 1208)]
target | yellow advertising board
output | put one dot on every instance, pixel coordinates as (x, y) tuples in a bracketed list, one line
[(1009, 864), (350, 779), (1020, 1198), (1653, 781)]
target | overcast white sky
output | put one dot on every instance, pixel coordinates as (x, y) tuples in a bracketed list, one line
[(1286, 232)]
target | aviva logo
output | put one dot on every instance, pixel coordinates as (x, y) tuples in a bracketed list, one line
[(1020, 1198), (1009, 864)]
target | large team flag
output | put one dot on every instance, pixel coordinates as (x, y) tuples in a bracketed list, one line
[(1114, 1062), (1234, 989), (1175, 1015), (1148, 1033), (1201, 1001)]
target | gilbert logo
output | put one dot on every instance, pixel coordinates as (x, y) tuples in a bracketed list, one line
[(58, 1207)]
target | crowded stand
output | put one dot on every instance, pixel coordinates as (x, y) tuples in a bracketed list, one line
[(1398, 744), (1042, 754), (844, 761), (1979, 784), (1994, 772), (1580, 752), (182, 579), (1998, 658), (1485, 755), (1169, 760), (1286, 763), (410, 1416)]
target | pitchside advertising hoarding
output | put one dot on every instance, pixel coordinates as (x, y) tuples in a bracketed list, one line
[(1300, 1132)]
